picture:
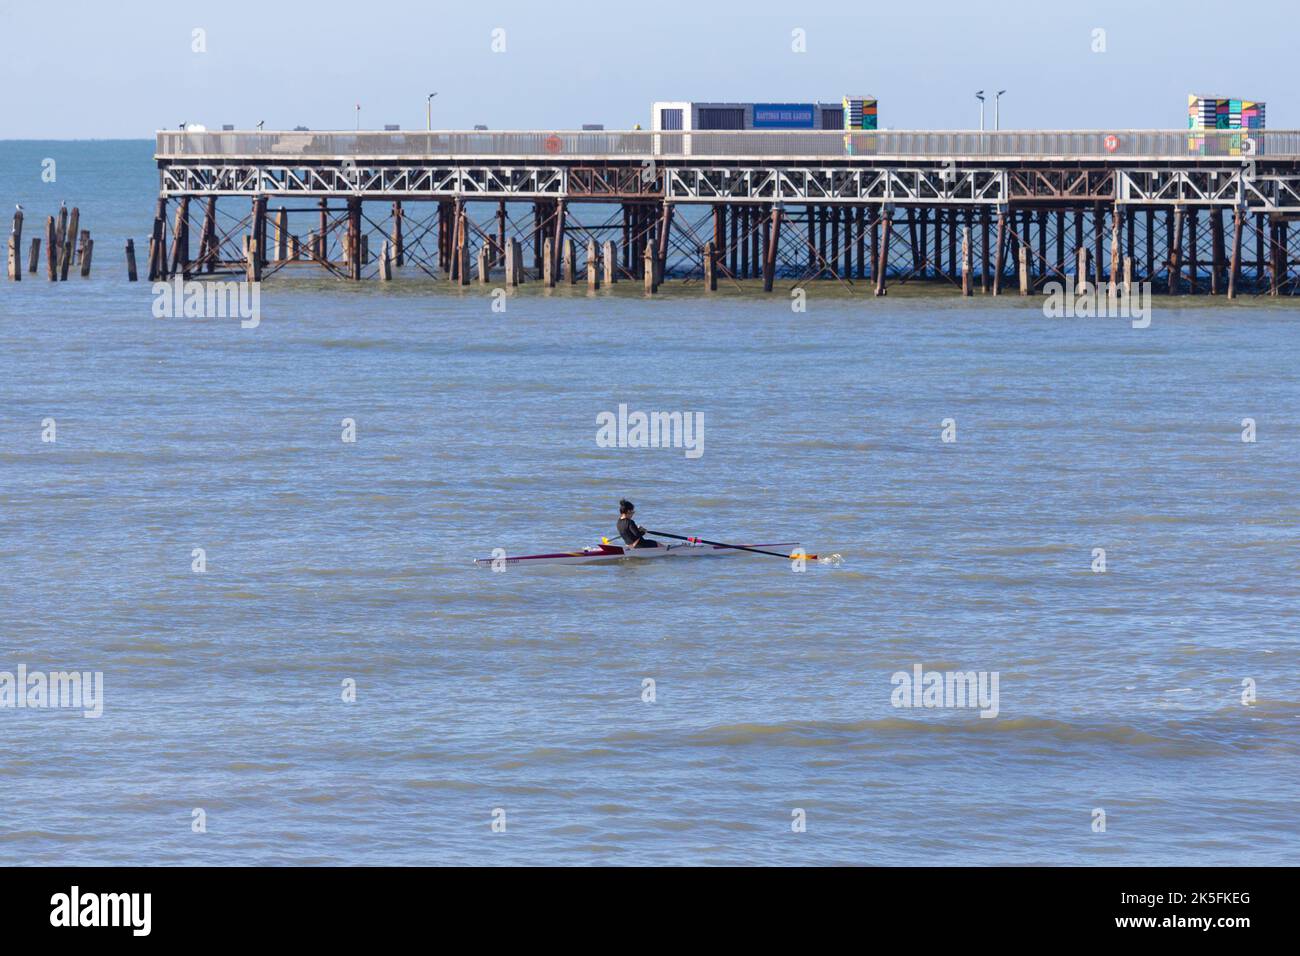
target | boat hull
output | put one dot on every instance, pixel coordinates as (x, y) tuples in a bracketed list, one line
[(612, 554)]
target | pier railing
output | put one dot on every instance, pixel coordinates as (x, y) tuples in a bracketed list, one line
[(636, 144)]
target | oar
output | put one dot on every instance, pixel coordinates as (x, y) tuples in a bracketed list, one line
[(719, 544)]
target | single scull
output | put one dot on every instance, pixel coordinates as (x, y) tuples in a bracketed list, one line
[(611, 552)]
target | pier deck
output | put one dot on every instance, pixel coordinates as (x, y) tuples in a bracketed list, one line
[(1026, 207)]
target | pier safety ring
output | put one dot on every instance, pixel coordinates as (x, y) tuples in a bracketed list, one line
[(1111, 142)]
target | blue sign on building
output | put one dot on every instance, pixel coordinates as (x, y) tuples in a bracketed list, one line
[(784, 115)]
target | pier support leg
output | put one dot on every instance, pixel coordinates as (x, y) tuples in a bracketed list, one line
[(1081, 272), (354, 238), (548, 263), (1216, 250), (180, 237), (1193, 256), (558, 247), (1234, 267), (1114, 252), (710, 276), (984, 249), (966, 288), (1176, 252), (398, 245), (593, 266), (281, 234), (1098, 244), (773, 244), (998, 266), (883, 264)]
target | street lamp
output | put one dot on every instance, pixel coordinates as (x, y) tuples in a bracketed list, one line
[(997, 101), (980, 96), (428, 111)]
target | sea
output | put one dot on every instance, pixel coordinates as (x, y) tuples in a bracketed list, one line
[(258, 543)]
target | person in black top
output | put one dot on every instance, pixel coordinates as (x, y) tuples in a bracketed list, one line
[(633, 536)]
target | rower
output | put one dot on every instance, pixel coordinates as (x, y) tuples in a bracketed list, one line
[(632, 535)]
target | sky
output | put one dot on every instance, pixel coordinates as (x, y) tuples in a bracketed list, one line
[(125, 68)]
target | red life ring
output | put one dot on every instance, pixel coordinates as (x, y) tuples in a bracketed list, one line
[(552, 144), (1111, 143)]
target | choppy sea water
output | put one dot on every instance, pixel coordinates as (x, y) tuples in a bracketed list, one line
[(523, 691)]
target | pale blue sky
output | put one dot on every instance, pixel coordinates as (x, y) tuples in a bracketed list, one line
[(82, 69)]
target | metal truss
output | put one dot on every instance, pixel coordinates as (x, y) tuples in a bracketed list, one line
[(463, 182), (820, 184), (1273, 192), (1039, 184), (1179, 187)]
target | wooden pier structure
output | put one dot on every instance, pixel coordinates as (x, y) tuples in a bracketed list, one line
[(1188, 211)]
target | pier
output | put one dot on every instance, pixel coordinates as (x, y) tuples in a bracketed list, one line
[(1188, 211)]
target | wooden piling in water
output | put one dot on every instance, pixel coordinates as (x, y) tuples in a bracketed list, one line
[(87, 250), (887, 229), (1216, 250), (398, 248), (61, 230), (1234, 267), (966, 286), (651, 286), (998, 266), (208, 249), (69, 244), (774, 243), (34, 257), (1114, 251), (1176, 252), (282, 234), (15, 248), (51, 249), (131, 274), (610, 260), (180, 238), (557, 247), (482, 264), (570, 273)]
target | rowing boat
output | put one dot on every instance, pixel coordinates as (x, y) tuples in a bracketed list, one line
[(602, 553)]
